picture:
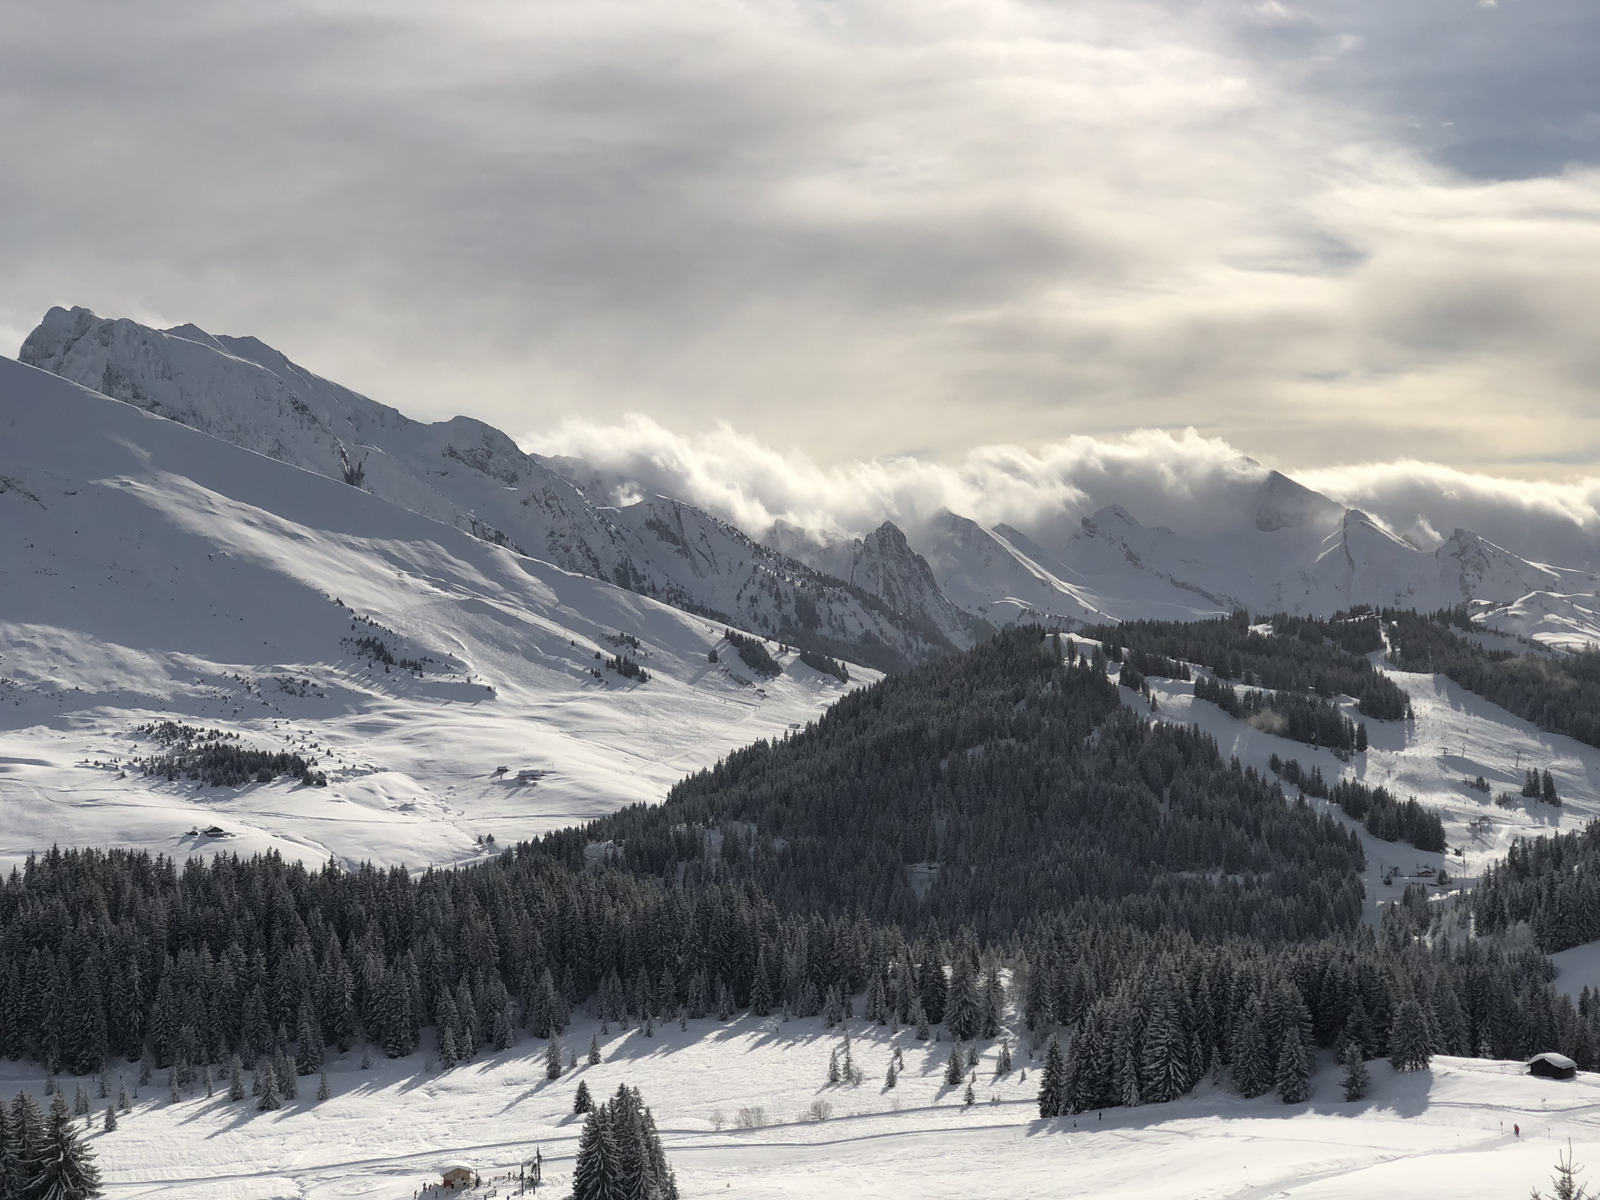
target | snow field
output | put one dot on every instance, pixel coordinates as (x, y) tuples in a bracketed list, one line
[(385, 1132)]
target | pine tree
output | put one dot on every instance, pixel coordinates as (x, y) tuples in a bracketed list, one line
[(1251, 1067), (1294, 1068), (582, 1102), (111, 1118), (288, 1081), (955, 1070), (322, 1086), (963, 1017), (967, 1097), (1053, 1087), (1564, 1183), (594, 1050), (1356, 1080), (63, 1167), (596, 1172), (308, 1034), (890, 1077), (269, 1100), (1002, 1062), (1408, 1038), (552, 1058)]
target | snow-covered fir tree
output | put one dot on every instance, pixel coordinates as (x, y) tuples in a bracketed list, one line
[(1356, 1080), (1053, 1083)]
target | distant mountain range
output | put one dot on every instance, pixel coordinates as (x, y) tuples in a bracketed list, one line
[(888, 598)]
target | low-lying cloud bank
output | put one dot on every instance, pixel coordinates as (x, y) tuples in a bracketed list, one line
[(1193, 484)]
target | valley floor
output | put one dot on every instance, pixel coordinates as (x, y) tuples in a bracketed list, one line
[(386, 1132)]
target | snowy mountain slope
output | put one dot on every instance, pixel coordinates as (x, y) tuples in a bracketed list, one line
[(150, 572), (464, 473), (1282, 547), (1297, 552)]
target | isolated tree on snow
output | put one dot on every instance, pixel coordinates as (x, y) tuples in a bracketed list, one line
[(582, 1102), (1564, 1183), (956, 1069), (552, 1058), (269, 1100), (235, 1079), (594, 1049), (322, 1086)]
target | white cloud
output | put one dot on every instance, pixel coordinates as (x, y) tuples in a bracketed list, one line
[(1190, 483)]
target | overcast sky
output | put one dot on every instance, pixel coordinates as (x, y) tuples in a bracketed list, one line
[(1331, 233)]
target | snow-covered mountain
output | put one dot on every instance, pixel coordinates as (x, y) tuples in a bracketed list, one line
[(470, 475), (150, 572), (1293, 550), (890, 596)]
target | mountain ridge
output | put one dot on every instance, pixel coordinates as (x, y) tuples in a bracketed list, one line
[(895, 595)]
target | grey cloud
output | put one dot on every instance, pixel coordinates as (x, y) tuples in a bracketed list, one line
[(1501, 90), (855, 229)]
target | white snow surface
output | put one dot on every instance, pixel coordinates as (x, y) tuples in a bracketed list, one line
[(150, 572), (387, 1132)]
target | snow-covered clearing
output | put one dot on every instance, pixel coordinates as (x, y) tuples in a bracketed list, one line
[(385, 1132), (148, 572)]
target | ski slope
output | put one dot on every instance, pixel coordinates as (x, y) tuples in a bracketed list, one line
[(1456, 736), (149, 572), (384, 1133)]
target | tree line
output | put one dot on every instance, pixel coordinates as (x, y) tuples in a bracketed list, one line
[(1325, 657), (1298, 717), (1379, 810), (1559, 693), (1550, 883)]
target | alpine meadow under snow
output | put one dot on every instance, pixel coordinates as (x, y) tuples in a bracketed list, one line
[(370, 786)]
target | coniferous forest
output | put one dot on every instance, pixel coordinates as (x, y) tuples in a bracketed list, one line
[(992, 826), (1325, 657), (1551, 883)]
